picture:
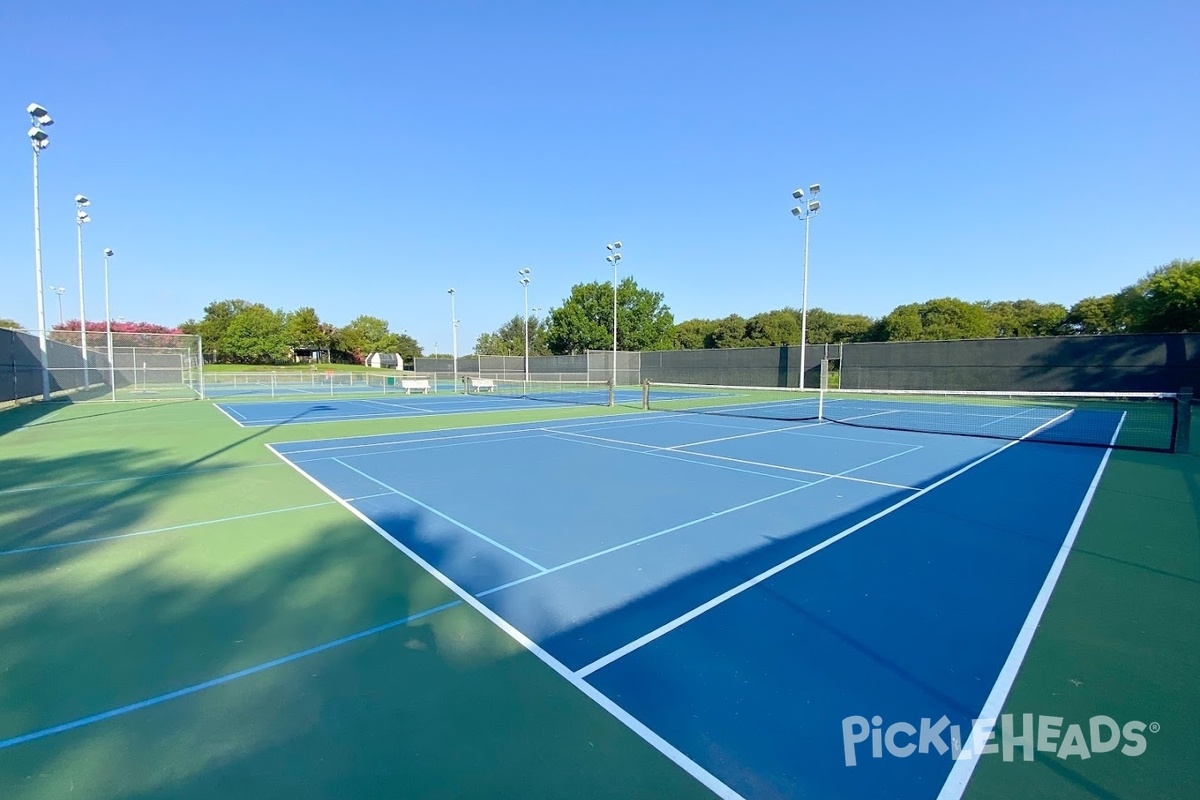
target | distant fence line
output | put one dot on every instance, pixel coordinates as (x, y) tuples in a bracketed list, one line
[(1113, 362)]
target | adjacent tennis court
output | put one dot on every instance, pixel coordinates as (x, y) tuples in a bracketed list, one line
[(499, 395)]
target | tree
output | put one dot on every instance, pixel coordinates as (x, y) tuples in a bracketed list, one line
[(1092, 315), (256, 336), (1025, 317), (509, 339), (366, 334), (772, 329), (943, 318), (212, 328), (730, 332), (1167, 300), (827, 327), (694, 334), (584, 321), (302, 328), (10, 323)]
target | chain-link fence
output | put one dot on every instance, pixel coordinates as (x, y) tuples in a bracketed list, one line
[(75, 367)]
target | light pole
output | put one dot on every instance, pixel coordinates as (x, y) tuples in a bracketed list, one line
[(82, 217), (524, 273), (40, 140), (112, 372), (60, 291), (614, 259), (805, 211), (454, 336)]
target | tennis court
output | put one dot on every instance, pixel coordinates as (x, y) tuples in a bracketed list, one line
[(502, 396), (563, 600), (707, 552)]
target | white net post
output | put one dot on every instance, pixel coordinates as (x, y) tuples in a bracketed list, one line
[(200, 364)]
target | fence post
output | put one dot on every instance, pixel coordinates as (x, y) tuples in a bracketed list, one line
[(1183, 420)]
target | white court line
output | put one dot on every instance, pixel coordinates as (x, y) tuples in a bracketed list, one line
[(743, 435), (1010, 416), (656, 534), (446, 517), (403, 450), (666, 628), (596, 696), (649, 451), (674, 458), (964, 765), (226, 413), (93, 540), (456, 411), (392, 406), (418, 436)]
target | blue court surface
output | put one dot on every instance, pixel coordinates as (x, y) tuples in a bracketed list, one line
[(289, 412), (745, 594)]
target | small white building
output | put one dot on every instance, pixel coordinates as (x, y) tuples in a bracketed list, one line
[(385, 361)]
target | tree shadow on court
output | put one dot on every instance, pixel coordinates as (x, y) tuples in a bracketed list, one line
[(446, 706)]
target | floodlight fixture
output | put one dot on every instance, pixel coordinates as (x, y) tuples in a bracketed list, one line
[(609, 259), (82, 201), (38, 135), (798, 194), (449, 291), (108, 251), (797, 211), (82, 217), (814, 189), (524, 271), (39, 115), (814, 206)]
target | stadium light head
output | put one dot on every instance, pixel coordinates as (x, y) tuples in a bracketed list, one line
[(449, 291), (814, 206), (82, 217), (38, 135), (797, 211), (798, 194), (609, 259), (524, 281), (39, 115), (82, 201), (616, 257), (108, 251), (814, 189), (523, 271)]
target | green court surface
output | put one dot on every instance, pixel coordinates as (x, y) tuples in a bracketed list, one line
[(220, 558)]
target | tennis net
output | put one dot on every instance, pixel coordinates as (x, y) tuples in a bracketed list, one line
[(592, 393), (1140, 421)]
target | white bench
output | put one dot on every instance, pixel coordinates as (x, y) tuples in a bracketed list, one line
[(410, 385), (481, 385)]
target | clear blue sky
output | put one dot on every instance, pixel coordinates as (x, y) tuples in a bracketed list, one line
[(361, 157)]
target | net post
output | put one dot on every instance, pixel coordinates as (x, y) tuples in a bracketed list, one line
[(200, 355), (612, 393), (821, 387), (1183, 420), (645, 395)]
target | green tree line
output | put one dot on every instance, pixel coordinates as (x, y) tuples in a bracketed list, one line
[(241, 332)]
